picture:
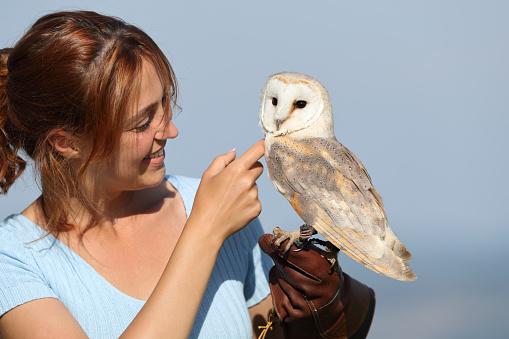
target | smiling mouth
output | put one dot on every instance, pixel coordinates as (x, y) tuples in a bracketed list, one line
[(157, 154)]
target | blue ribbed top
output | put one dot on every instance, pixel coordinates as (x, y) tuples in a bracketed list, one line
[(46, 268)]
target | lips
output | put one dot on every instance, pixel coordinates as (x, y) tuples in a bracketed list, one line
[(157, 154)]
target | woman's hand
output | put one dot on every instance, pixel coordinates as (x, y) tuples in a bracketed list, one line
[(227, 199)]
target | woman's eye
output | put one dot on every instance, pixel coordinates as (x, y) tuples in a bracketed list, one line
[(274, 101), (144, 126), (300, 104)]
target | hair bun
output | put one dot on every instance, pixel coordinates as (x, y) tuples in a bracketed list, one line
[(11, 165), (4, 56)]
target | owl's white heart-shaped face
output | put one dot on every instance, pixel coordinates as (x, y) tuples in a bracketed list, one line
[(289, 103)]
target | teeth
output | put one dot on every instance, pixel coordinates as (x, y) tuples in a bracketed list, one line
[(155, 155)]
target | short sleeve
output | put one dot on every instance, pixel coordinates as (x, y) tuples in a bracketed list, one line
[(256, 285), (20, 279)]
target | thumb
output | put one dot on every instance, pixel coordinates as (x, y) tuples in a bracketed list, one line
[(220, 163)]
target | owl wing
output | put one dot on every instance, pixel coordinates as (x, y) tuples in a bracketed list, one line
[(330, 189)]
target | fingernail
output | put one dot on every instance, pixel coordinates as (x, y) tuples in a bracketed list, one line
[(233, 150)]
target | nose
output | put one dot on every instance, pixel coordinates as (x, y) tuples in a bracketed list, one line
[(172, 130), (167, 129)]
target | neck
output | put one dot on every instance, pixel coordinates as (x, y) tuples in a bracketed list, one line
[(86, 213)]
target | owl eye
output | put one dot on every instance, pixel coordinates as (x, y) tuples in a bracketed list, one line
[(300, 104), (274, 101)]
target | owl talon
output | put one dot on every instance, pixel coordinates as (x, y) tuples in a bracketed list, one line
[(298, 238), (299, 244), (283, 235), (330, 254), (307, 232)]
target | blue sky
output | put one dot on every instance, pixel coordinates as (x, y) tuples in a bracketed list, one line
[(420, 92)]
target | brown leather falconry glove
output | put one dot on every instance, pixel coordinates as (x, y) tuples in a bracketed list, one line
[(312, 297)]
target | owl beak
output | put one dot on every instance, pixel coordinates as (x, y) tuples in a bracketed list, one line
[(278, 124)]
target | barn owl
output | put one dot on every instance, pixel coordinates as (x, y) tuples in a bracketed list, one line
[(325, 183)]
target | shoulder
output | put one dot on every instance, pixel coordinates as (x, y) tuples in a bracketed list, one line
[(11, 234), (16, 228), (24, 245), (21, 278), (183, 184), (20, 239), (186, 187)]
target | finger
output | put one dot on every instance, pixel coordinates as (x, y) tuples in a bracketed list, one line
[(257, 165), (220, 162), (256, 170), (252, 155)]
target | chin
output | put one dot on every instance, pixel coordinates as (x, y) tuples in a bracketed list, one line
[(152, 181)]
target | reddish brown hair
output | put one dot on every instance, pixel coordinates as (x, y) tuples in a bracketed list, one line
[(78, 71)]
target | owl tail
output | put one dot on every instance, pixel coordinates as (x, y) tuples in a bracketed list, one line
[(407, 274), (396, 246), (393, 262), (388, 258), (392, 266)]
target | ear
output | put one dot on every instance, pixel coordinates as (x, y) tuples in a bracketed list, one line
[(64, 143)]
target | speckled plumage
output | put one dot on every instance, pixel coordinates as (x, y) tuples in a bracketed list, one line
[(325, 183)]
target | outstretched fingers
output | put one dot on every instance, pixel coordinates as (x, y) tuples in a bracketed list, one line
[(249, 161), (220, 163), (250, 158)]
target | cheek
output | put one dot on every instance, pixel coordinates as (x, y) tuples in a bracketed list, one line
[(137, 147), (130, 153)]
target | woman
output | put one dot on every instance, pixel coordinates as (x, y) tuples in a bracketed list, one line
[(112, 247), (89, 99)]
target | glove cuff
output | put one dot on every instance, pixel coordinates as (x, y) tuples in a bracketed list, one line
[(347, 318), (358, 303)]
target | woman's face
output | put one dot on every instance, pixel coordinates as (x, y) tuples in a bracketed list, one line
[(139, 161)]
